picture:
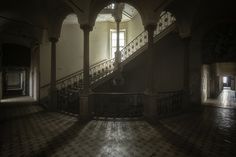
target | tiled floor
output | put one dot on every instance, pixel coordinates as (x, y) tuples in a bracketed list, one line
[(226, 99), (209, 133), (18, 99)]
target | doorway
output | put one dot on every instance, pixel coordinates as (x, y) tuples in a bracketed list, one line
[(15, 82), (15, 74), (228, 82)]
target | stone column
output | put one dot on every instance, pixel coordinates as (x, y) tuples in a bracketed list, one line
[(150, 59), (53, 89), (186, 41), (84, 111), (86, 80), (150, 106), (117, 14), (117, 53), (35, 69)]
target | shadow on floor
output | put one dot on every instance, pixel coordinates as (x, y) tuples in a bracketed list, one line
[(61, 140)]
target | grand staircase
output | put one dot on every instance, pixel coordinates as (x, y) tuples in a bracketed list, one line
[(70, 86)]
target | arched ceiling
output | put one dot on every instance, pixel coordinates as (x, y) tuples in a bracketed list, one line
[(28, 18), (106, 15), (219, 44), (49, 14)]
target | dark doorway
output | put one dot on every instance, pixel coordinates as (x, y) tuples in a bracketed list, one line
[(15, 82), (16, 62)]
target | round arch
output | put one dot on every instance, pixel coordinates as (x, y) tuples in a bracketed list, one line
[(97, 6), (166, 19)]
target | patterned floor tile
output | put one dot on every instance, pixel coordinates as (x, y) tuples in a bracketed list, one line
[(35, 132)]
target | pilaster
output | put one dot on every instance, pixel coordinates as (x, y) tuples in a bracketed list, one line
[(150, 59), (84, 112), (86, 80), (53, 90), (186, 41)]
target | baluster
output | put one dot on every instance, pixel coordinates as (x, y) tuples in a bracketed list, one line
[(133, 47), (165, 21), (126, 52), (77, 78), (103, 69), (122, 54), (74, 82)]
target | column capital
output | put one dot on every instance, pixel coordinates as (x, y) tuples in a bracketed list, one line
[(53, 39), (150, 27), (86, 27), (118, 20)]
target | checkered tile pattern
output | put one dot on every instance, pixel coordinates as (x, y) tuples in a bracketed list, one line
[(210, 133)]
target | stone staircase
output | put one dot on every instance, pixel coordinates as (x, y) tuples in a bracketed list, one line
[(69, 87), (99, 73)]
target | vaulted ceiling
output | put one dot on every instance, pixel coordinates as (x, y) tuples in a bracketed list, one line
[(28, 18)]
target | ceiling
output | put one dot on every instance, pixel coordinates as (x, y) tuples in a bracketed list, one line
[(128, 13)]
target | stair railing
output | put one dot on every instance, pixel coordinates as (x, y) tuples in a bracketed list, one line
[(104, 68), (134, 45), (166, 20), (169, 103), (99, 71), (75, 81)]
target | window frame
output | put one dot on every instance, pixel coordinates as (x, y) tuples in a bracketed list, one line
[(111, 46)]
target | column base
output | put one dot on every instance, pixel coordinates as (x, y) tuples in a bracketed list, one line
[(150, 107), (84, 118), (151, 119), (85, 107)]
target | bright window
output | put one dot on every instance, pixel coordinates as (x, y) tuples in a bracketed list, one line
[(225, 79), (113, 41)]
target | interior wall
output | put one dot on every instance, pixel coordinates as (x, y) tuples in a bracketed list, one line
[(70, 46), (34, 73), (70, 51), (99, 45), (213, 74), (135, 27), (226, 69), (195, 65), (45, 60), (205, 82), (169, 63)]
